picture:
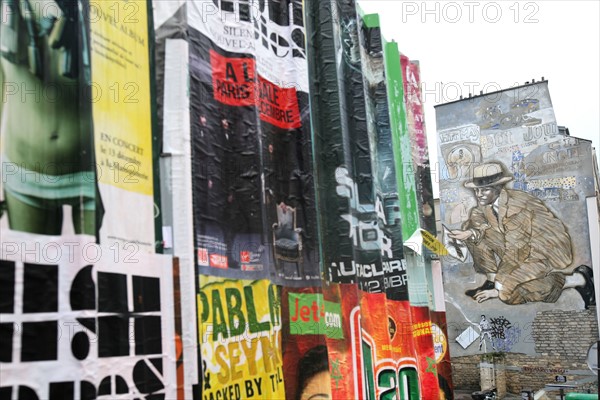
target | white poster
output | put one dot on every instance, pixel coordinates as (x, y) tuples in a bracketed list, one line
[(82, 322)]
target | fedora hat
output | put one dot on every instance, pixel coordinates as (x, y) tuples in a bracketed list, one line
[(488, 174)]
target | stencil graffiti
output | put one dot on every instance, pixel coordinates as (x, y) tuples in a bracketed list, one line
[(486, 329), (498, 332)]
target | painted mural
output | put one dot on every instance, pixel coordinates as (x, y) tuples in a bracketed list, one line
[(512, 196)]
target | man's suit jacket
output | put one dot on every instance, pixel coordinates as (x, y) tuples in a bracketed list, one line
[(527, 238)]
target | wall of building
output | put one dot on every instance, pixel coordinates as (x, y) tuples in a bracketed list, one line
[(542, 217), (561, 339)]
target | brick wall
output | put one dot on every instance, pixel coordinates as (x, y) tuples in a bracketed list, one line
[(562, 339), (465, 372), (565, 333)]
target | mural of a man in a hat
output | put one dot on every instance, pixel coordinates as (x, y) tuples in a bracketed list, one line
[(523, 249)]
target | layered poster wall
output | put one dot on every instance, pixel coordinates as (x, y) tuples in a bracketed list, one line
[(372, 286), (299, 281), (253, 196), (85, 309), (503, 154), (416, 170)]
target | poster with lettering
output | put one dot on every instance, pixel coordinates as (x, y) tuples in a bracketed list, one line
[(333, 176), (252, 153), (239, 332), (417, 260), (284, 120), (355, 179), (411, 80), (81, 321), (404, 350), (345, 371), (122, 121), (307, 319), (371, 339), (411, 77), (374, 355), (349, 229), (408, 360), (387, 202), (423, 339), (226, 160)]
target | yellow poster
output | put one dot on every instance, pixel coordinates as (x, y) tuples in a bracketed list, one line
[(121, 94), (239, 326), (122, 122), (433, 244)]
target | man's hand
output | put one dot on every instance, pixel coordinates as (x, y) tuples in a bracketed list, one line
[(486, 295), (460, 235)]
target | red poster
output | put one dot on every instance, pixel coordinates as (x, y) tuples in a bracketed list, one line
[(376, 357), (416, 117), (345, 367), (422, 336), (403, 348), (236, 83), (233, 79), (277, 105)]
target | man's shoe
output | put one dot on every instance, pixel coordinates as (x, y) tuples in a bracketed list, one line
[(586, 291), (487, 285)]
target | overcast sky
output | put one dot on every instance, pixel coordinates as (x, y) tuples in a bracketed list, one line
[(471, 46)]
